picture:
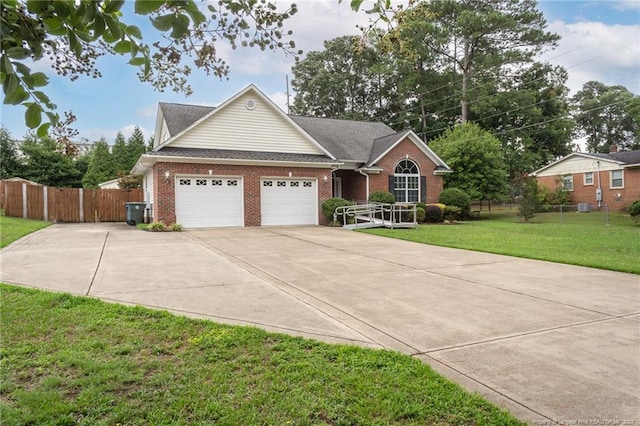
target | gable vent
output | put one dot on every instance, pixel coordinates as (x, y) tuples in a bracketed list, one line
[(250, 104)]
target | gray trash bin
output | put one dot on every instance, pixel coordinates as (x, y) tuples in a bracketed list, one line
[(135, 213)]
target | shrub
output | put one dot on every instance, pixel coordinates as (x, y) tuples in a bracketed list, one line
[(382, 197), (456, 197), (433, 214), (423, 206), (156, 227), (634, 211), (452, 213), (175, 227), (330, 205), (420, 214)]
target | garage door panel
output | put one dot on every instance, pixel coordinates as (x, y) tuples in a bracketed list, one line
[(209, 202), (289, 202)]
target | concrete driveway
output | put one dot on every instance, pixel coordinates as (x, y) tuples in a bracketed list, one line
[(549, 342)]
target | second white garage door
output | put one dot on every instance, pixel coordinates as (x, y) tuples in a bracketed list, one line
[(289, 201), (205, 202)]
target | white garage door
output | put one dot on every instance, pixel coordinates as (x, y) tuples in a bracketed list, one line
[(289, 201), (204, 202)]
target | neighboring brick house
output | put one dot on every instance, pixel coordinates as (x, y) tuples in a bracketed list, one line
[(611, 179), (247, 163)]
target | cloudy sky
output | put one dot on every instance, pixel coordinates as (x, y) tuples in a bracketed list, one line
[(601, 41)]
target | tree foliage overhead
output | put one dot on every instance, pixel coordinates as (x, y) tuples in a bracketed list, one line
[(349, 79), (608, 115), (73, 34), (473, 37)]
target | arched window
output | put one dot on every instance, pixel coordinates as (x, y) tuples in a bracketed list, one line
[(406, 182)]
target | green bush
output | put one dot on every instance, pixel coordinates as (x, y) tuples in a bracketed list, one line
[(420, 214), (330, 205), (156, 227), (634, 211), (382, 197), (456, 197), (161, 227), (433, 214), (452, 213), (423, 206)]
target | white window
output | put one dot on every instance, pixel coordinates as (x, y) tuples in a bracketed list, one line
[(185, 182), (567, 182), (616, 177), (406, 182), (588, 178)]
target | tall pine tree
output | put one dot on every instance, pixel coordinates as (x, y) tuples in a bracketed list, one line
[(101, 166)]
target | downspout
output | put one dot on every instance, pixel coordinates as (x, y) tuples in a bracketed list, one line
[(599, 191), (367, 180)]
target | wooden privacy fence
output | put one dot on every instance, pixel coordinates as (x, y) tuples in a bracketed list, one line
[(20, 199)]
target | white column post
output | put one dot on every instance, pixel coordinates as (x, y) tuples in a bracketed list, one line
[(24, 200), (45, 193), (81, 205)]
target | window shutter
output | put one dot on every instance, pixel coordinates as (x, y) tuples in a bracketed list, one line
[(423, 189), (391, 180)]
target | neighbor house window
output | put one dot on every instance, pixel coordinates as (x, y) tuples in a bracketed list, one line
[(617, 178), (588, 178), (567, 182), (406, 182)]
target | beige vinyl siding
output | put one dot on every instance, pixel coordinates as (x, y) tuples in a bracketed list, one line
[(236, 127), (148, 187), (577, 165)]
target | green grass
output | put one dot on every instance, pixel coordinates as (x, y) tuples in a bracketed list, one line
[(583, 239), (14, 228), (73, 360)]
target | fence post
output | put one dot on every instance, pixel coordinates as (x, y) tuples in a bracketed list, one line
[(45, 196), (24, 200), (81, 206)]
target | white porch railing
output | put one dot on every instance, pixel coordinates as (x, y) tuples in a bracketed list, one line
[(372, 215)]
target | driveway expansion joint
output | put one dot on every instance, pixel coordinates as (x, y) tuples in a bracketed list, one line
[(279, 284)]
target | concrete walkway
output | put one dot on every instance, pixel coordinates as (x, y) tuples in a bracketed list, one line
[(549, 342)]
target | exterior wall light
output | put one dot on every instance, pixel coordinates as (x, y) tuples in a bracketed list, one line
[(167, 175)]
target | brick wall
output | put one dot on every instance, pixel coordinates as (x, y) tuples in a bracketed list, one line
[(615, 198), (354, 185), (380, 182), (164, 189)]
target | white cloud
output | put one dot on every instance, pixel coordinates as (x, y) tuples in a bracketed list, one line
[(147, 111), (596, 51), (626, 5)]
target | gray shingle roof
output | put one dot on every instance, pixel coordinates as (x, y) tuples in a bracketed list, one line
[(380, 145), (181, 116), (240, 155), (625, 157), (346, 139)]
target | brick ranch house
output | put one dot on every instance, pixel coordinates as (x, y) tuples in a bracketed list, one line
[(247, 163), (611, 179)]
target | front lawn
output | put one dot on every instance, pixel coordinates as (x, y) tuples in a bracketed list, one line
[(14, 228), (73, 360), (584, 239)]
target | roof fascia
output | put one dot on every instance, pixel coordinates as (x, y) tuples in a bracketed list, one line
[(419, 143), (149, 160), (159, 120), (575, 154)]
